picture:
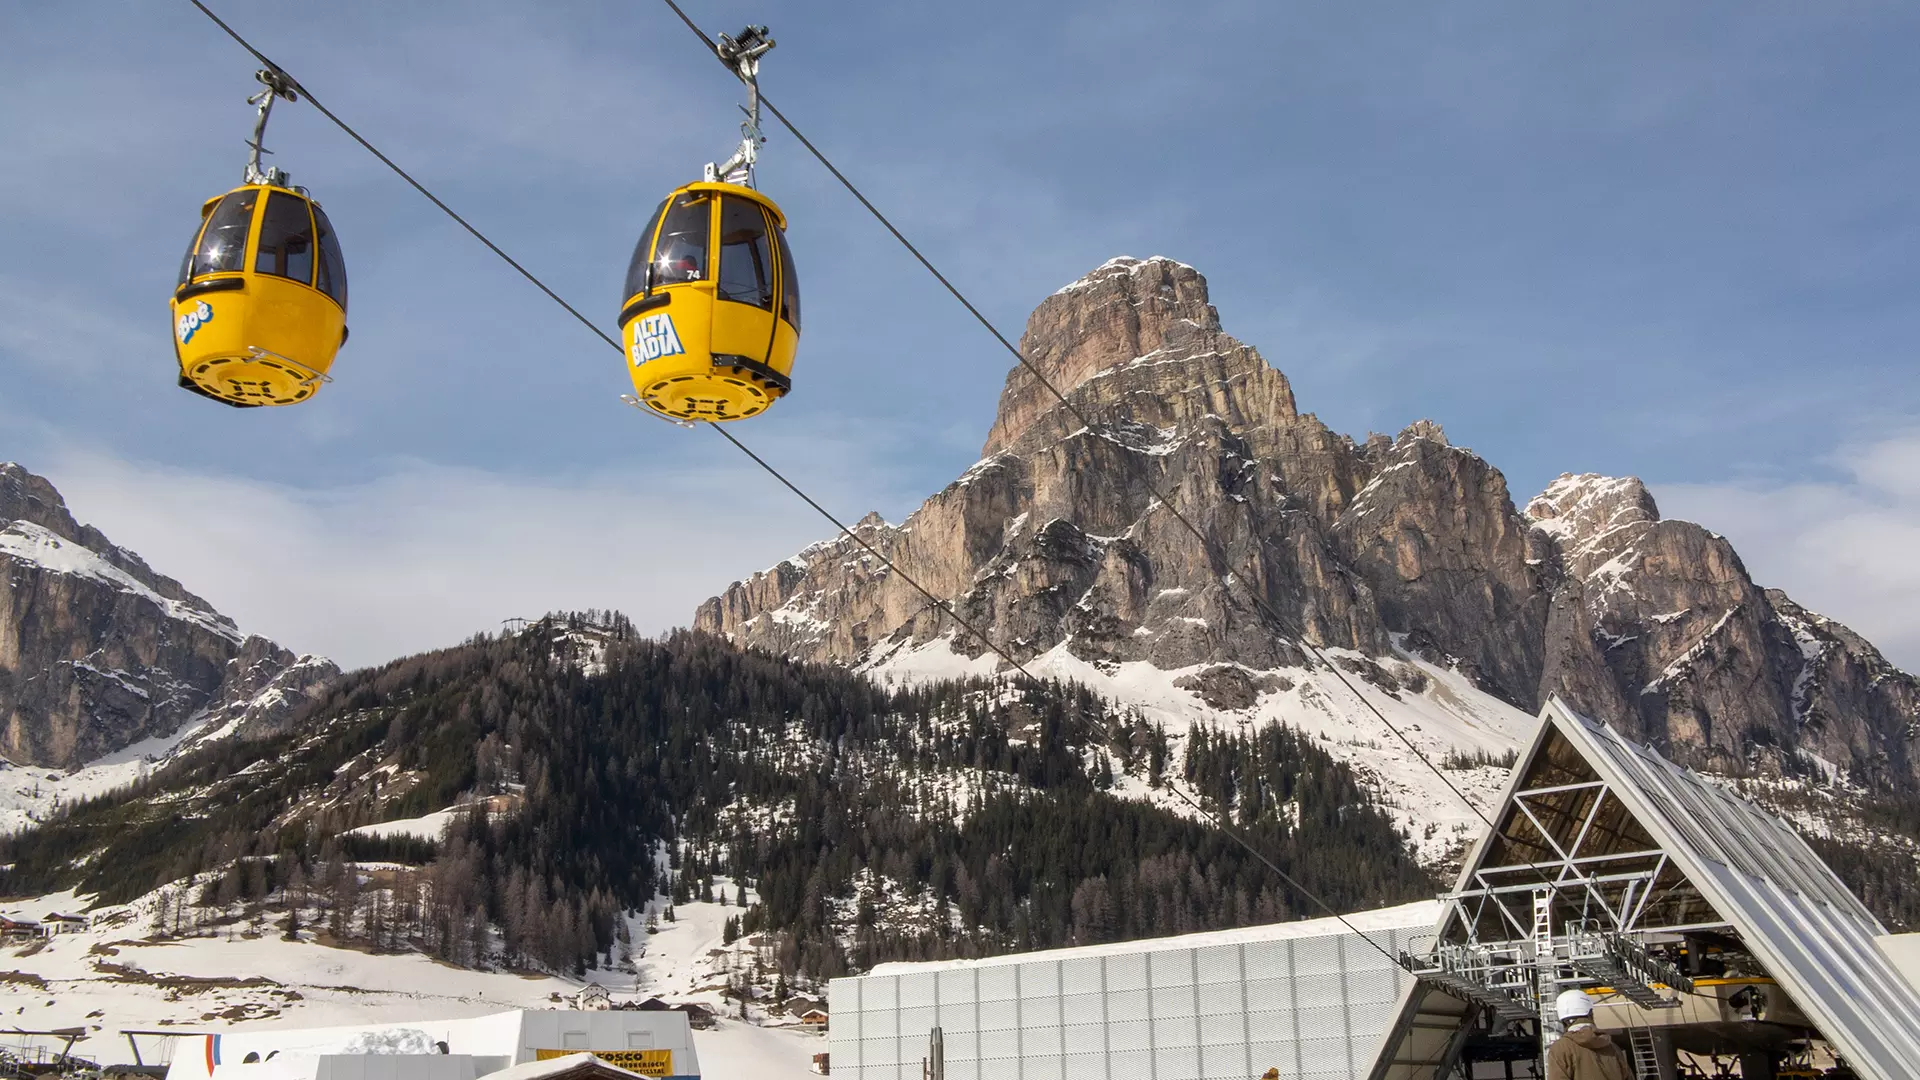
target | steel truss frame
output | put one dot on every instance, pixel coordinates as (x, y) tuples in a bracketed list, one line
[(1517, 933)]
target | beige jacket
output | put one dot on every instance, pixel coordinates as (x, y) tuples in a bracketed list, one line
[(1585, 1054)]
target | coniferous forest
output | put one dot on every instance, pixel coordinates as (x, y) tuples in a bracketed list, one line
[(601, 771)]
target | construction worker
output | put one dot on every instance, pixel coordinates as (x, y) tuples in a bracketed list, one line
[(1583, 1053)]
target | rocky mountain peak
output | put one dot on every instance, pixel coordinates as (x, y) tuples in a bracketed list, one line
[(1593, 518), (1584, 505), (1423, 429), (1127, 310), (98, 651), (1060, 545), (26, 497)]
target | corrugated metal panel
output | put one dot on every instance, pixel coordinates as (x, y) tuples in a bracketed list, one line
[(1815, 937), (1310, 1005), (1799, 919)]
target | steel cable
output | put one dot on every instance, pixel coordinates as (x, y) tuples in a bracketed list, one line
[(1217, 817), (1206, 546)]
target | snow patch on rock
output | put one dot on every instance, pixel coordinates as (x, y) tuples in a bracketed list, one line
[(41, 547), (1448, 720)]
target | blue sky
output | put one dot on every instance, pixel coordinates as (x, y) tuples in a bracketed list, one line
[(1672, 241)]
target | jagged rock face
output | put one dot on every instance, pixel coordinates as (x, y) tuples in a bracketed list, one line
[(1123, 310), (1657, 627), (1851, 707), (1056, 536), (97, 651), (1436, 536), (1057, 533)]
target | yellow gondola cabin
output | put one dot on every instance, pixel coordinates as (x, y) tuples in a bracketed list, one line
[(711, 317), (261, 306)]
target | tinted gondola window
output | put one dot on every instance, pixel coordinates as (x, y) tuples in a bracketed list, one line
[(746, 260), (789, 282), (332, 278), (223, 244), (286, 238), (642, 251), (681, 253)]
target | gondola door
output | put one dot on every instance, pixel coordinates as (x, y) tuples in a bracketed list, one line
[(744, 293)]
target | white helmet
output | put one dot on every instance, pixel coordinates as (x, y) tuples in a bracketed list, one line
[(1573, 1005)]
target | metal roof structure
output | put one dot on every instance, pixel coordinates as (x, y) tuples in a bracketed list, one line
[(1604, 858)]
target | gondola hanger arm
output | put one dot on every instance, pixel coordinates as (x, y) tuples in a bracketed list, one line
[(741, 54), (278, 85)]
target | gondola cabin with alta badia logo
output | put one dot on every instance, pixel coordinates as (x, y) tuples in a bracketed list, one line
[(261, 304), (712, 313)]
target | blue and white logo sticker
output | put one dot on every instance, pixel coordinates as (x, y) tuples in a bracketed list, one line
[(654, 338), (190, 322)]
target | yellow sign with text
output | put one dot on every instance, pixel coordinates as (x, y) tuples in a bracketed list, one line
[(644, 1062)]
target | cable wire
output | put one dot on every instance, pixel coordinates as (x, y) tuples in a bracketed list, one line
[(404, 175), (1107, 732), (1166, 500), (1217, 817)]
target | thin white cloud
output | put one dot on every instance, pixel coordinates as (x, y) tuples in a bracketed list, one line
[(426, 555), (1849, 549), (52, 328)]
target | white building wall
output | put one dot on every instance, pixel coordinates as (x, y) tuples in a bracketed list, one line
[(498, 1040), (1224, 1006)]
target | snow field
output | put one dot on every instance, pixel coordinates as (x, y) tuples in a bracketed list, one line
[(41, 547), (1449, 717), (31, 793), (115, 976)]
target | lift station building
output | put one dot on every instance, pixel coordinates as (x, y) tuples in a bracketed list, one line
[(1710, 936)]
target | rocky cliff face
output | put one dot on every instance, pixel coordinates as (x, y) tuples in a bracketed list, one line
[(1656, 625), (1405, 546), (97, 651)]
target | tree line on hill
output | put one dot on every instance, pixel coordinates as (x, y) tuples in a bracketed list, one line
[(607, 771)]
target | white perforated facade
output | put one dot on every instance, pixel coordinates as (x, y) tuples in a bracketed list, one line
[(1310, 999)]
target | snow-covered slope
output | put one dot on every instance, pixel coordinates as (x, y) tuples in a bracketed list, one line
[(99, 652), (118, 975), (1462, 732), (37, 546), (30, 793)]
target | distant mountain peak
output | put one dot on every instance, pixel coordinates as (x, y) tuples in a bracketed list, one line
[(1127, 312), (1056, 544), (1580, 502), (98, 651)]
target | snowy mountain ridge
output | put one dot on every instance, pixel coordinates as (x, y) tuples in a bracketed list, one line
[(98, 652), (1401, 553), (37, 546), (1447, 718)]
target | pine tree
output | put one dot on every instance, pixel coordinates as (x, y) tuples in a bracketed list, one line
[(652, 754)]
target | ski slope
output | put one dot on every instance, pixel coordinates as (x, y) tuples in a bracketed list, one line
[(116, 976)]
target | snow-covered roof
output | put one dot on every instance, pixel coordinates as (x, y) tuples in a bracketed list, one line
[(1418, 913), (521, 1034), (560, 1066)]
